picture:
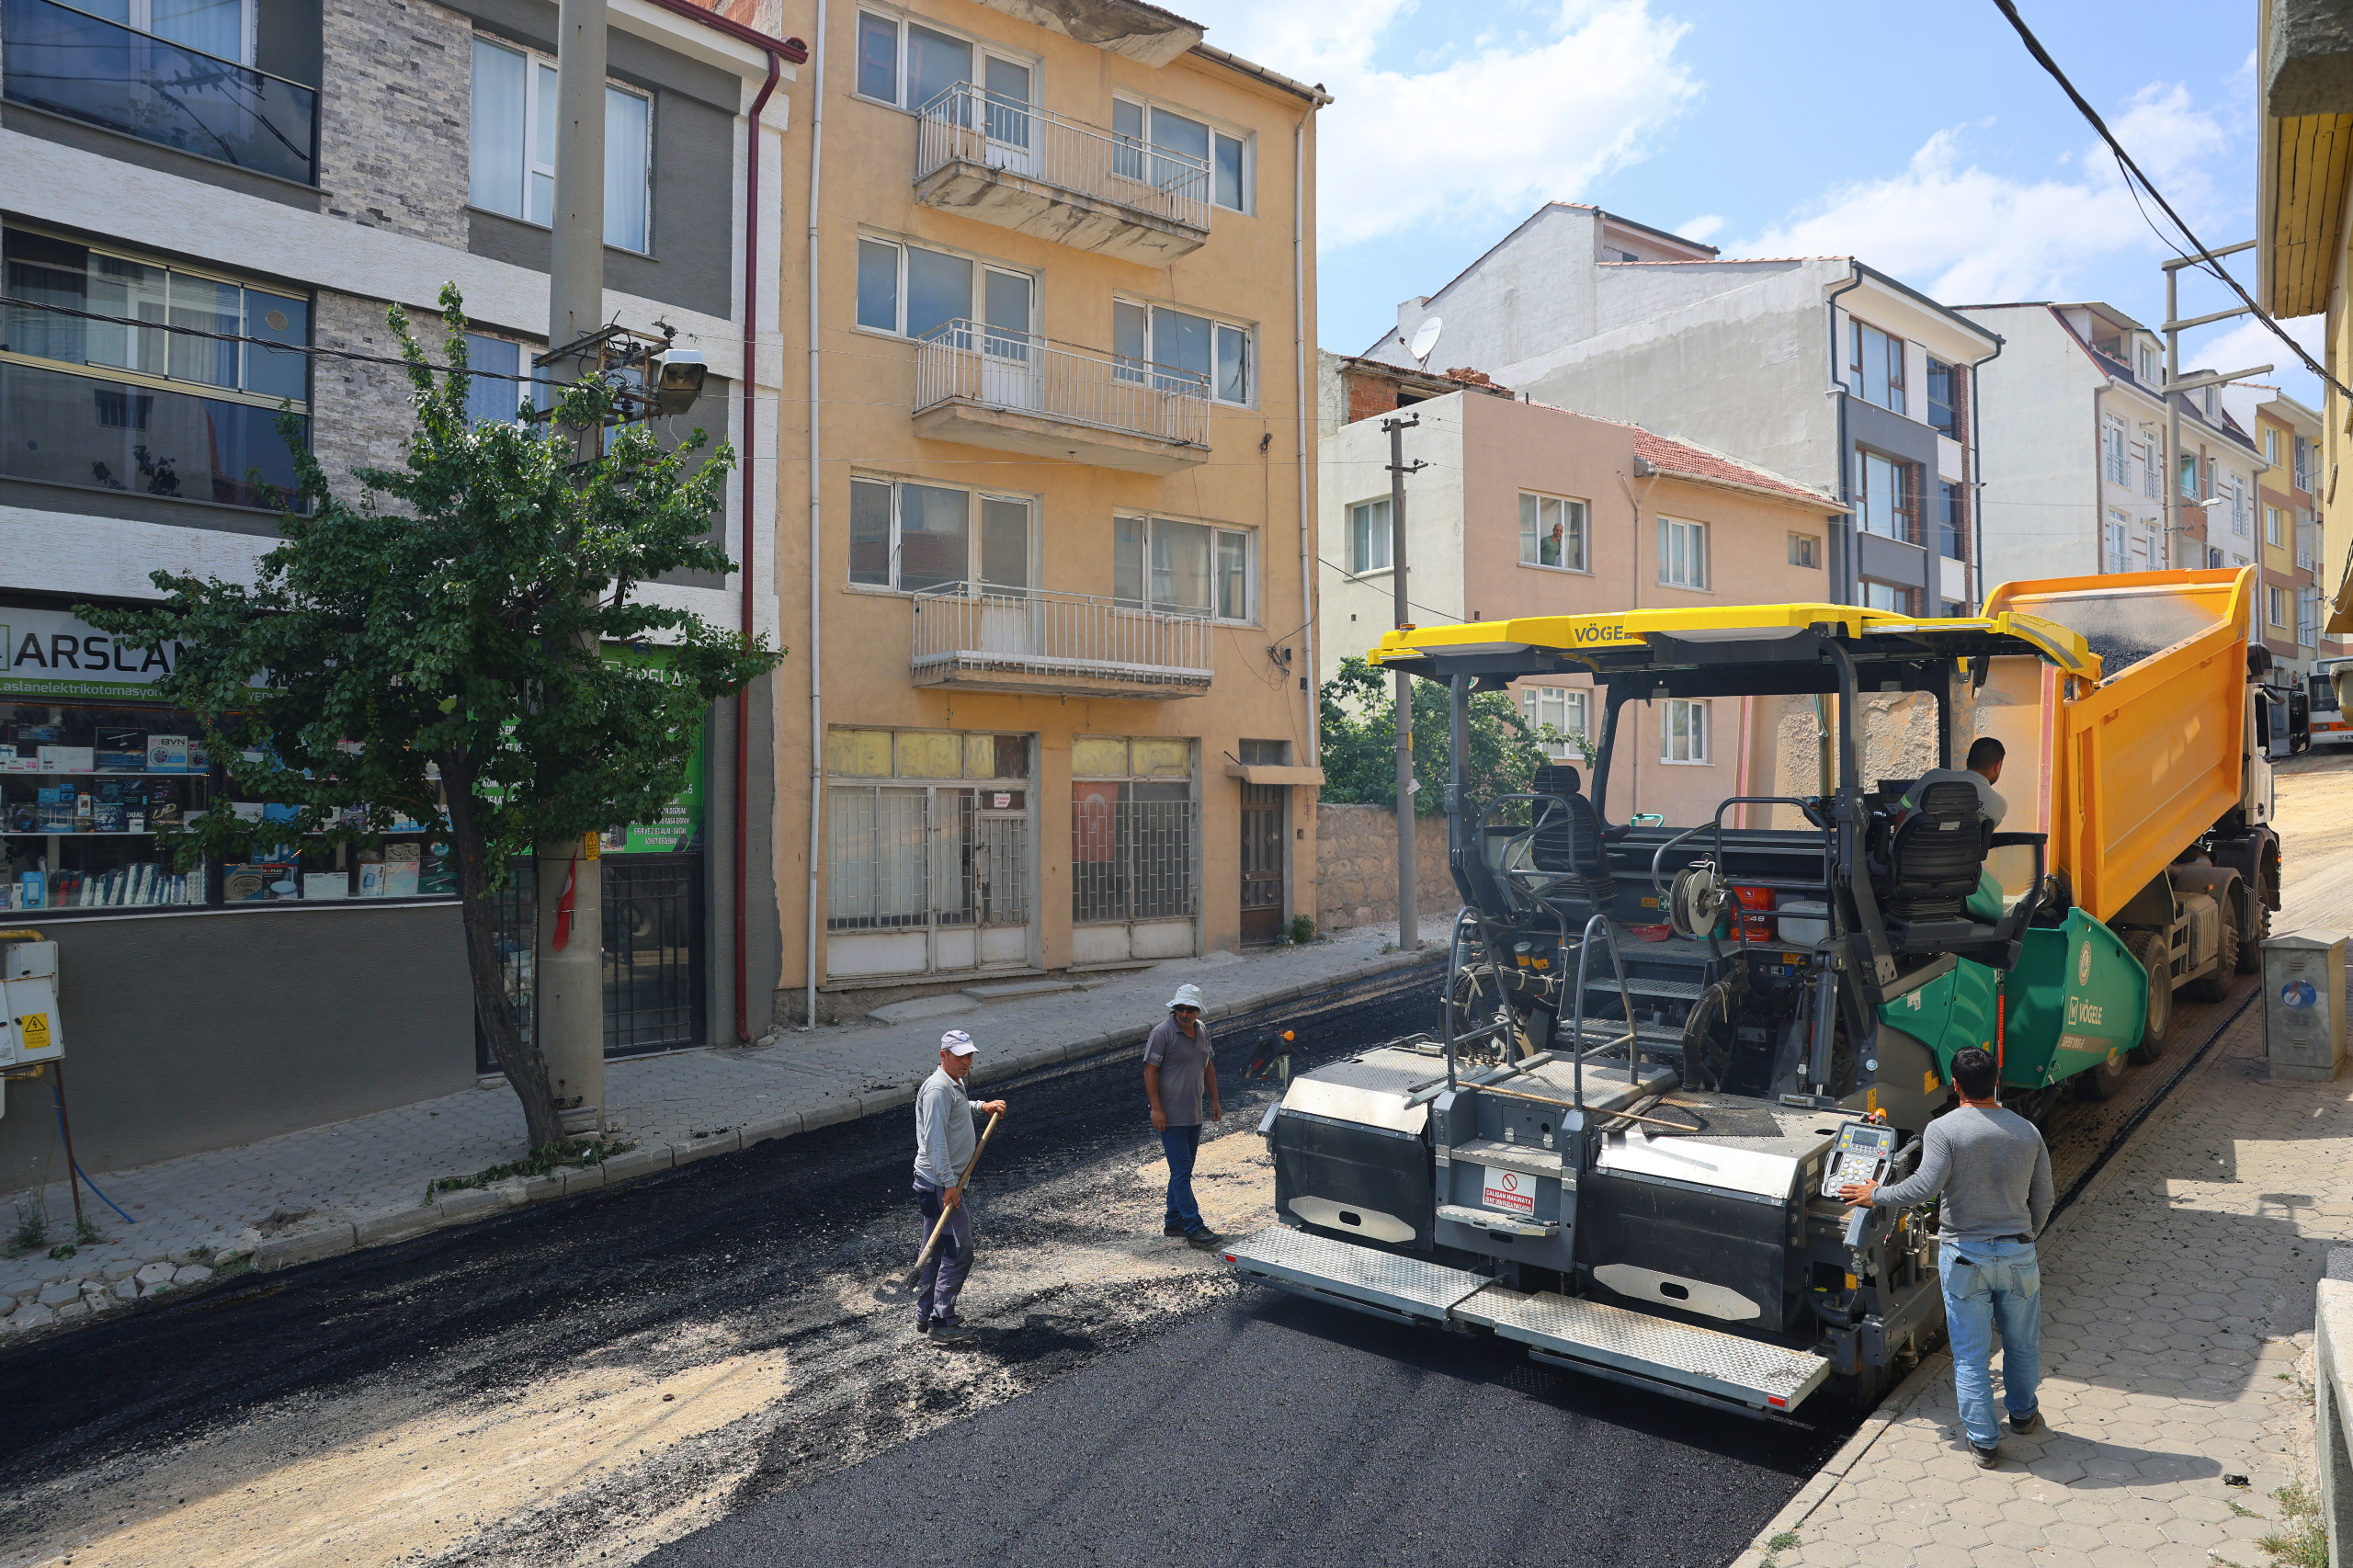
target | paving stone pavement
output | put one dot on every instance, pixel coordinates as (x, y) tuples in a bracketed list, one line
[(2178, 1300), (327, 1188)]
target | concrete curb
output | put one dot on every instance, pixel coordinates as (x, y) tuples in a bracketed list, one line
[(1824, 1482)]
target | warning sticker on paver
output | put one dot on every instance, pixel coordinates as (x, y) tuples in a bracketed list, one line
[(1508, 1189)]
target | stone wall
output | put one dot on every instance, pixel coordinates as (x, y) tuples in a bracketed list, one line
[(1356, 858), (359, 409), (396, 116)]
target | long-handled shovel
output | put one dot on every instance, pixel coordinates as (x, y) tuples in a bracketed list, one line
[(963, 1185)]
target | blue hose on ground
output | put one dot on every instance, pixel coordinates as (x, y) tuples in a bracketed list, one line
[(74, 1166)]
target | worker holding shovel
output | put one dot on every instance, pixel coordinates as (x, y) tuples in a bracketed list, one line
[(944, 1157)]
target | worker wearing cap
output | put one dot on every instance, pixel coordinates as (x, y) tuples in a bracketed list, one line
[(944, 1143), (1179, 1076), (1985, 770)]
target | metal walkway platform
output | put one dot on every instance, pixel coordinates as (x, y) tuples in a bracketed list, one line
[(1611, 1340), (1380, 1282)]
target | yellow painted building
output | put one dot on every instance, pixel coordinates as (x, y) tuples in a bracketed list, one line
[(1050, 561), (2306, 254)]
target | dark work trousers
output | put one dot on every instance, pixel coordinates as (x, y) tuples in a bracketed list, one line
[(1181, 1144), (943, 1277)]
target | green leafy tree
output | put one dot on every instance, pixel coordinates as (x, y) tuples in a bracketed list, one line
[(433, 651), (1358, 713)]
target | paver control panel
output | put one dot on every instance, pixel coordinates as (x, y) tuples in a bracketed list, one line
[(1861, 1154)]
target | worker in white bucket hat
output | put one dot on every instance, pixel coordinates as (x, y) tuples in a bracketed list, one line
[(1180, 1079)]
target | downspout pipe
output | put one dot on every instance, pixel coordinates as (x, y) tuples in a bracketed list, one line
[(1849, 568), (816, 541), (1977, 481), (1300, 350), (777, 49)]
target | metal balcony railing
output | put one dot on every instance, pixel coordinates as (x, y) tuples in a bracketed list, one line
[(1029, 374), (69, 62), (980, 627), (963, 124)]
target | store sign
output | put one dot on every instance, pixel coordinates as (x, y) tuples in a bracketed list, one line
[(680, 823), (50, 652)]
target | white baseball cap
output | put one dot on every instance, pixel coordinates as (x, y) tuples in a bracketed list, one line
[(1188, 995), (956, 1044)]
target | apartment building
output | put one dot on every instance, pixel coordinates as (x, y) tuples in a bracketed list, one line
[(264, 178), (2288, 436), (1055, 711), (1527, 509), (2077, 425), (1822, 370)]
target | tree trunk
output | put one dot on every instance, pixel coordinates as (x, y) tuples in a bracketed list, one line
[(527, 1070)]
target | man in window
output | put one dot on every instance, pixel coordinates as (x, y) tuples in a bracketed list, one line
[(1549, 552), (1984, 768)]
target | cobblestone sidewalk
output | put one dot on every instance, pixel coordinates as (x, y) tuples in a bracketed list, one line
[(2178, 1298), (357, 1183)]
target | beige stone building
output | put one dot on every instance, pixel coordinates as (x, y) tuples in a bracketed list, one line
[(1049, 702)]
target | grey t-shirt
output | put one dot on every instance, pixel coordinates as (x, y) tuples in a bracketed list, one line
[(1182, 1060), (1994, 807), (1992, 1170), (944, 1137)]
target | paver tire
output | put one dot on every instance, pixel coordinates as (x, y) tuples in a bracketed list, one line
[(2157, 958), (2101, 1082), (2214, 986)]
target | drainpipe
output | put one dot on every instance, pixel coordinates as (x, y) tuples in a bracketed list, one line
[(2100, 483), (1977, 480), (1299, 350), (1850, 572), (817, 540)]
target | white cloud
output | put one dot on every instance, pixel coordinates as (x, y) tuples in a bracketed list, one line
[(1470, 133), (2251, 343), (1703, 228), (1967, 235)]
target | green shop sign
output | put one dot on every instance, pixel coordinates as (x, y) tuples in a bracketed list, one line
[(680, 824)]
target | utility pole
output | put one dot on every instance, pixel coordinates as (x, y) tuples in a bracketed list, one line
[(569, 980), (1409, 914), (2174, 326)]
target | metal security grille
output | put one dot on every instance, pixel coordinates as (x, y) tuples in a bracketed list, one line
[(904, 857), (654, 993), (1132, 850), (514, 916), (1262, 862)]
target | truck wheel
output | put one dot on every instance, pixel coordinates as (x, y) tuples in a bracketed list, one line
[(2214, 986), (2101, 1082), (2251, 940), (2157, 958)]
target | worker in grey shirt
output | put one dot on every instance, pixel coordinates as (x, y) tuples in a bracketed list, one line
[(1179, 1073), (1993, 1173), (944, 1143)]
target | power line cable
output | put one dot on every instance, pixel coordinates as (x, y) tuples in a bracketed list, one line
[(2042, 57)]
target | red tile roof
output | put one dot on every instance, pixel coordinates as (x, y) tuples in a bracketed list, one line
[(1675, 457)]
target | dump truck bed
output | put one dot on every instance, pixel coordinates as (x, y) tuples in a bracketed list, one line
[(2149, 757)]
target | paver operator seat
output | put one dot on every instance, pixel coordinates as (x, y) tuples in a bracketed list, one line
[(1935, 860)]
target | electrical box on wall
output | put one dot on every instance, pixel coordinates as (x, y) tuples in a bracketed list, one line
[(31, 1030)]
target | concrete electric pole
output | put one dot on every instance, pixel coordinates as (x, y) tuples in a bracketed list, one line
[(2174, 326), (569, 979), (1409, 915)]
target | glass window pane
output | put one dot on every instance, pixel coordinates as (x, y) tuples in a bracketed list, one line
[(1180, 566), (1008, 81), (1161, 758), (216, 27), (934, 537), (629, 132), (869, 533), (1012, 756), (1127, 560), (878, 58), (1005, 297), (935, 63), (206, 306), (1181, 341), (1528, 530), (543, 131), (858, 754), (487, 399), (939, 291), (1130, 346), (1234, 576), (1229, 171), (494, 172), (1573, 551), (1127, 126), (1233, 364), (1008, 101), (1004, 543), (275, 373), (878, 285), (930, 755), (1174, 134), (1098, 756)]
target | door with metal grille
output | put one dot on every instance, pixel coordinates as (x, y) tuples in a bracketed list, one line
[(654, 991), (1262, 863)]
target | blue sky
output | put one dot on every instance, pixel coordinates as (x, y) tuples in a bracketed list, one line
[(1919, 137)]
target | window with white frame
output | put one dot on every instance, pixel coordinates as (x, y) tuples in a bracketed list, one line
[(1147, 136), (2276, 604), (2237, 489), (906, 64), (1682, 553), (2308, 616), (1368, 531), (2116, 548), (2112, 443), (1184, 568), (221, 27), (1805, 549), (2148, 365), (1551, 533), (2153, 465), (1179, 350), (512, 171), (496, 388), (2271, 443), (2273, 533), (916, 292), (912, 537), (1682, 731), (1561, 708)]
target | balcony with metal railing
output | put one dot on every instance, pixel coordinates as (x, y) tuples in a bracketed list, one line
[(988, 386), (65, 62), (1061, 180), (980, 636)]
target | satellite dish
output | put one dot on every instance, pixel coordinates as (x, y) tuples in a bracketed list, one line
[(1425, 340)]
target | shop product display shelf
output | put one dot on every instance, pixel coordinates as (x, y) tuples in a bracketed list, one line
[(101, 772), (68, 832)]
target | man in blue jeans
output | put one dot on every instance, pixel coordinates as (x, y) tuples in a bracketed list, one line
[(1179, 1075), (1994, 1174)]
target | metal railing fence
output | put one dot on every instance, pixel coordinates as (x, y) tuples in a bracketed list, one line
[(1038, 631), (963, 124), (1031, 374)]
